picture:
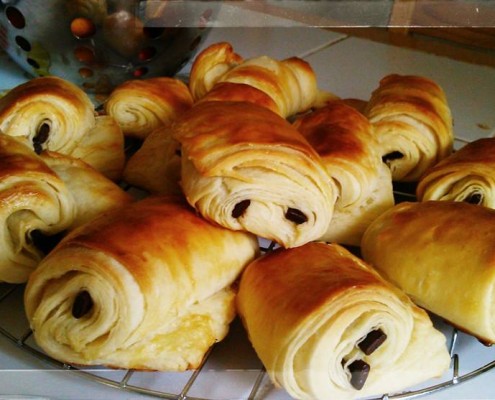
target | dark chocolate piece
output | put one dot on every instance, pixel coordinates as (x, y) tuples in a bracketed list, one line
[(41, 137), (359, 370), (240, 207), (83, 303), (44, 242), (394, 155), (475, 198), (296, 216), (372, 341)]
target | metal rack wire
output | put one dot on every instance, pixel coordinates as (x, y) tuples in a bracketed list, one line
[(233, 362)]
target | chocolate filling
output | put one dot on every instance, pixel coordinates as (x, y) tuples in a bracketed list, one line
[(83, 303), (296, 216), (359, 370), (474, 198), (372, 341), (41, 137), (240, 208), (394, 155), (45, 243)]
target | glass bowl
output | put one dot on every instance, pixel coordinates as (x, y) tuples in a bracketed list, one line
[(98, 44)]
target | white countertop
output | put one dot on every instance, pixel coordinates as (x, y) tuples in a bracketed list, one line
[(348, 67)]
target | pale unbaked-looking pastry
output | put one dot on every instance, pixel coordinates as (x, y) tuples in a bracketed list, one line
[(327, 326), (344, 139), (155, 166), (49, 113), (33, 200), (141, 105), (466, 175), (291, 83), (413, 124), (441, 253), (146, 287), (247, 168)]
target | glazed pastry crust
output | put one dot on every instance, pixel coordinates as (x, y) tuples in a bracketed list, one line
[(234, 152), (441, 253), (156, 165), (466, 175), (103, 148), (49, 100), (92, 192), (32, 198), (413, 124), (291, 83), (160, 280), (140, 106), (344, 139), (306, 309)]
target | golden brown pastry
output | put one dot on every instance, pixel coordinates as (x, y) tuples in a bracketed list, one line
[(229, 91), (290, 83), (442, 254), (103, 148), (209, 65), (155, 166), (92, 192), (413, 124), (466, 175), (344, 139), (49, 113), (247, 168), (147, 287), (34, 200), (141, 105), (327, 326)]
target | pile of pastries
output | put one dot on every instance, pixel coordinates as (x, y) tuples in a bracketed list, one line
[(248, 149)]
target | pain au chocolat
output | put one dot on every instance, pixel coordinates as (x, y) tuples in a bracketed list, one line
[(247, 168), (42, 197), (344, 139), (290, 83), (412, 122), (148, 286), (327, 326), (442, 254), (51, 113), (466, 175), (142, 105)]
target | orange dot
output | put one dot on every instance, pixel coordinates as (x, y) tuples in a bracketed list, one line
[(82, 28), (147, 54), (86, 72), (84, 54), (140, 72)]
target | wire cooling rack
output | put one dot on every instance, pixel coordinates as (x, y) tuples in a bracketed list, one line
[(231, 369)]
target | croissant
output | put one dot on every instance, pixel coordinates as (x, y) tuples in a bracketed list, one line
[(327, 326), (155, 166), (141, 105), (413, 124), (103, 148), (441, 253), (290, 83), (466, 175), (344, 139), (246, 168), (49, 113), (148, 286)]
